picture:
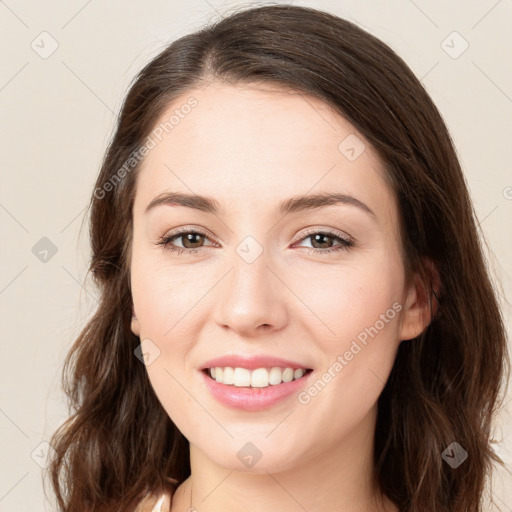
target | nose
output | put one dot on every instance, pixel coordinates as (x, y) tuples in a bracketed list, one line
[(252, 299)]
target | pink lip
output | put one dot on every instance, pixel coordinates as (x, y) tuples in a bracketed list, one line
[(251, 362), (253, 399)]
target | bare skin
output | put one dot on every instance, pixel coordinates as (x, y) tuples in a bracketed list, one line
[(250, 148)]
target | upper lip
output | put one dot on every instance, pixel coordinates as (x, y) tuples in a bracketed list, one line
[(252, 362)]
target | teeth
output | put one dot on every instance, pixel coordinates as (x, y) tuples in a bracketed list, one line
[(258, 378), (228, 375)]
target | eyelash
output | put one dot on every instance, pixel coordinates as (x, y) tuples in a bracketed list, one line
[(165, 242)]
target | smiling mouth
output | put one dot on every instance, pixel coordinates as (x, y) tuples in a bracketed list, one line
[(255, 379)]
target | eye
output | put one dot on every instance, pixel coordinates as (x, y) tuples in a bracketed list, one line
[(322, 241), (191, 240)]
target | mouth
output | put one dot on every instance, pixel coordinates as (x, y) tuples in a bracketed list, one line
[(255, 390), (257, 378)]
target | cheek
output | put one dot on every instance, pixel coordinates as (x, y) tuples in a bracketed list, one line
[(344, 300), (360, 313), (164, 297), (356, 325), (164, 294)]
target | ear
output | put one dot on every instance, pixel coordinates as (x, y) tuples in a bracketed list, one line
[(135, 326), (421, 304)]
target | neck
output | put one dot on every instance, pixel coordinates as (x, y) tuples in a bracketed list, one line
[(341, 479)]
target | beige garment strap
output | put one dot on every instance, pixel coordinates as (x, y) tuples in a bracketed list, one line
[(151, 503), (163, 504)]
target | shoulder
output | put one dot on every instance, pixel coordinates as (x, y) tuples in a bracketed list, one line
[(155, 503)]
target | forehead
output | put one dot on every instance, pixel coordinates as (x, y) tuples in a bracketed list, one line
[(251, 146)]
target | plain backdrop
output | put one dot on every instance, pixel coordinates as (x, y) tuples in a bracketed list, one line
[(65, 69)]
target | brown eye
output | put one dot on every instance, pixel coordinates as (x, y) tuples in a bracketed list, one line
[(322, 242), (192, 240)]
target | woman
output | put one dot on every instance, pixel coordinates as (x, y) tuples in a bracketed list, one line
[(295, 311)]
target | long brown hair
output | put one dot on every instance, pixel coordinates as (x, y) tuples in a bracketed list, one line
[(119, 443)]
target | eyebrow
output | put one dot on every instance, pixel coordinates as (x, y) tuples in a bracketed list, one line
[(292, 205)]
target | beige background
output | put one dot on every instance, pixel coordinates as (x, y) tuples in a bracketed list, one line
[(58, 110)]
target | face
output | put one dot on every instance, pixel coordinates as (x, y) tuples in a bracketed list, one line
[(321, 287)]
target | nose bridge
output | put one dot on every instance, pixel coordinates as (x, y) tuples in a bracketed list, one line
[(251, 293)]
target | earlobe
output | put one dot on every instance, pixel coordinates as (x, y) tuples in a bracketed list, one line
[(135, 326)]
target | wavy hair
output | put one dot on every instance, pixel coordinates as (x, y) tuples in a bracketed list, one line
[(119, 444)]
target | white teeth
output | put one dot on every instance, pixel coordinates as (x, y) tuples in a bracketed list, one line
[(298, 373), (258, 378), (274, 376), (241, 377), (228, 375), (287, 375)]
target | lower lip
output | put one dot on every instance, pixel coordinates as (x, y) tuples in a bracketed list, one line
[(253, 399)]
